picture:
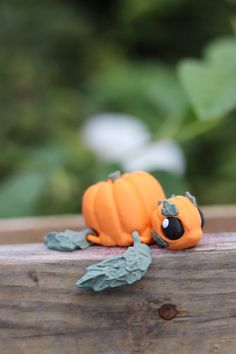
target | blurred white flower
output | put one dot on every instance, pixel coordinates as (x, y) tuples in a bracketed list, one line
[(126, 140), (162, 155), (113, 136)]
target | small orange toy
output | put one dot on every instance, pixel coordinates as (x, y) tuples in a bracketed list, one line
[(125, 210), (121, 205), (134, 202)]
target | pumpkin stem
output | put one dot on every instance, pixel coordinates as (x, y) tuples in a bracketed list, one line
[(114, 176)]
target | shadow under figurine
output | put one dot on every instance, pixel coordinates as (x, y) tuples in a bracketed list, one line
[(130, 209)]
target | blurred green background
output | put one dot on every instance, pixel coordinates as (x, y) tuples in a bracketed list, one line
[(170, 65)]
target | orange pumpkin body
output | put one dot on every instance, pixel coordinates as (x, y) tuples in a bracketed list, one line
[(114, 209)]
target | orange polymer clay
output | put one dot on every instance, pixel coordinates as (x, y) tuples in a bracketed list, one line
[(121, 205), (180, 227), (125, 210), (136, 202)]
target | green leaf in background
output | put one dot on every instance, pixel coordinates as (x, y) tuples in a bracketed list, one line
[(48, 157), (150, 91), (222, 52), (66, 61), (19, 194), (211, 84)]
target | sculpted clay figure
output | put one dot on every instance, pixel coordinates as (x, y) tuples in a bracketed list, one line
[(130, 209)]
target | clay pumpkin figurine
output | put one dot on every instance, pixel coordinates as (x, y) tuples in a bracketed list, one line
[(130, 209)]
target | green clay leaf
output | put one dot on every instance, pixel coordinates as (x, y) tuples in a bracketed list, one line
[(68, 240), (160, 202), (169, 209), (119, 270), (191, 198)]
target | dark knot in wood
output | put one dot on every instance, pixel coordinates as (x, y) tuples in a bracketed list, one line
[(32, 274), (168, 311)]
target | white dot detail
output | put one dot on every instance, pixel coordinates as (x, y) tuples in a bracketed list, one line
[(165, 223)]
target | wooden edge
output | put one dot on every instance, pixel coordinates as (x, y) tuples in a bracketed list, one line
[(38, 253), (214, 211), (27, 230), (184, 304), (220, 218)]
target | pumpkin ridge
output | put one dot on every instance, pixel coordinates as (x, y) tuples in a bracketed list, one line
[(105, 209), (118, 219), (130, 208), (145, 195), (92, 206), (135, 185), (139, 196), (122, 226), (95, 209)]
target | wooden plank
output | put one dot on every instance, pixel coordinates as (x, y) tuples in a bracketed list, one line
[(41, 312), (26, 230), (220, 218)]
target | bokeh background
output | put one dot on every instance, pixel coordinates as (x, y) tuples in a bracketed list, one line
[(88, 87)]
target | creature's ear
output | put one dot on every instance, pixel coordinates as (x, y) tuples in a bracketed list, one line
[(191, 198), (168, 209)]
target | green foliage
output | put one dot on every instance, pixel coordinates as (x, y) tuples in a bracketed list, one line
[(60, 62), (118, 270), (211, 85), (68, 240), (169, 209), (172, 183), (19, 194)]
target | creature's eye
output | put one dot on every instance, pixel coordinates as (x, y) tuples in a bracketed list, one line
[(172, 228), (202, 218)]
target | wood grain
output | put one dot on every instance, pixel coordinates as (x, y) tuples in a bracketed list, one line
[(25, 230), (41, 312)]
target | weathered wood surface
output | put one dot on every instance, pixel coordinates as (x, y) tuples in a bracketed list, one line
[(41, 312), (25, 230)]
